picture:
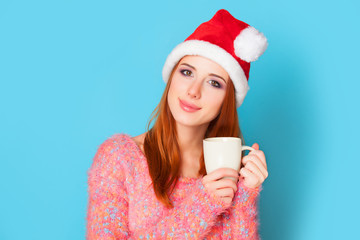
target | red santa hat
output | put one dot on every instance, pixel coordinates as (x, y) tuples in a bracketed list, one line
[(229, 42)]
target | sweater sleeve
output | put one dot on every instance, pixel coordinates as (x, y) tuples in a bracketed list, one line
[(192, 219), (108, 203), (241, 219)]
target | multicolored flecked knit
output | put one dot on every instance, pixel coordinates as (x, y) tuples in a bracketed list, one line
[(122, 203)]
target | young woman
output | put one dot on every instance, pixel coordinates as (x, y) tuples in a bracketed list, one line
[(154, 186)]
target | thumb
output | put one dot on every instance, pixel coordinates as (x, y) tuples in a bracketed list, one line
[(255, 146)]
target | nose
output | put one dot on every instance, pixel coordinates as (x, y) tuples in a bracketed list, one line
[(194, 90)]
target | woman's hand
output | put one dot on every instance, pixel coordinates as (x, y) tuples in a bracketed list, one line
[(223, 188), (254, 170)]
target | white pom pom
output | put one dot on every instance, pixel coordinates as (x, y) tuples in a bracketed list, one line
[(250, 44)]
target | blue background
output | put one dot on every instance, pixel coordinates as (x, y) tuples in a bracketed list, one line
[(73, 73)]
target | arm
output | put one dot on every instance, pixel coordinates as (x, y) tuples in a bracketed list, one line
[(241, 221), (192, 219), (108, 204)]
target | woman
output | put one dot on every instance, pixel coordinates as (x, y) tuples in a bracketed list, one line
[(154, 186)]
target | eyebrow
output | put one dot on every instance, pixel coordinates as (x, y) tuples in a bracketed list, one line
[(211, 74)]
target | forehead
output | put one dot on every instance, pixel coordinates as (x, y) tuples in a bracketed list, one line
[(204, 64)]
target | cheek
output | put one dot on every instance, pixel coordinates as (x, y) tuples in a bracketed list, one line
[(215, 99), (215, 103), (171, 88), (217, 107), (176, 87), (174, 92)]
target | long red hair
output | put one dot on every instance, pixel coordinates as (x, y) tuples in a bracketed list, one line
[(161, 142)]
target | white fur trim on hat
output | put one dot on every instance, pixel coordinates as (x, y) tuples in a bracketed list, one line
[(214, 53), (250, 44)]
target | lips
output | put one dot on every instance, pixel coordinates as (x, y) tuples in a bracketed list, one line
[(188, 107)]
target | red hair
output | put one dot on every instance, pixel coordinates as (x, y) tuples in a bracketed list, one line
[(161, 142)]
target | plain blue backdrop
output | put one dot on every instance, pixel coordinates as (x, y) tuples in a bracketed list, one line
[(73, 73)]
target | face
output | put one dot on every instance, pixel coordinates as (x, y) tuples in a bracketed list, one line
[(197, 91)]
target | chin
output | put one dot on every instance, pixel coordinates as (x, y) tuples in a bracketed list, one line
[(191, 122)]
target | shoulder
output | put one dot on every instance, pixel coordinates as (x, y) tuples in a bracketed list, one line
[(118, 148), (111, 152), (139, 140), (118, 157), (122, 139), (116, 142)]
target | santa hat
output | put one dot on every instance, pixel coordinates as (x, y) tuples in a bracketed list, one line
[(229, 42)]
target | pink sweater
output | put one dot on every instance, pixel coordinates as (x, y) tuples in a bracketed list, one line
[(122, 203)]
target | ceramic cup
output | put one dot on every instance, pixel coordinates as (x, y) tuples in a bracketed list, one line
[(223, 152)]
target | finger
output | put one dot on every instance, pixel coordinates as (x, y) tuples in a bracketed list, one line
[(254, 169), (260, 154), (255, 159), (250, 179), (255, 146), (258, 164), (227, 200), (225, 192), (213, 186), (225, 183), (220, 173)]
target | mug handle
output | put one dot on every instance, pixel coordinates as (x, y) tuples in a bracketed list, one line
[(247, 148)]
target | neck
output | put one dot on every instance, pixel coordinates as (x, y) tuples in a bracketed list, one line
[(190, 141)]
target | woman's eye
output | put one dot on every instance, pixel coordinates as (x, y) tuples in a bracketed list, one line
[(215, 83), (186, 72)]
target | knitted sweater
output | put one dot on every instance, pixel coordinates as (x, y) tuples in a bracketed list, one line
[(122, 203)]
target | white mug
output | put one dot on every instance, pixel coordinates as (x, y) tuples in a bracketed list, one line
[(223, 152)]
